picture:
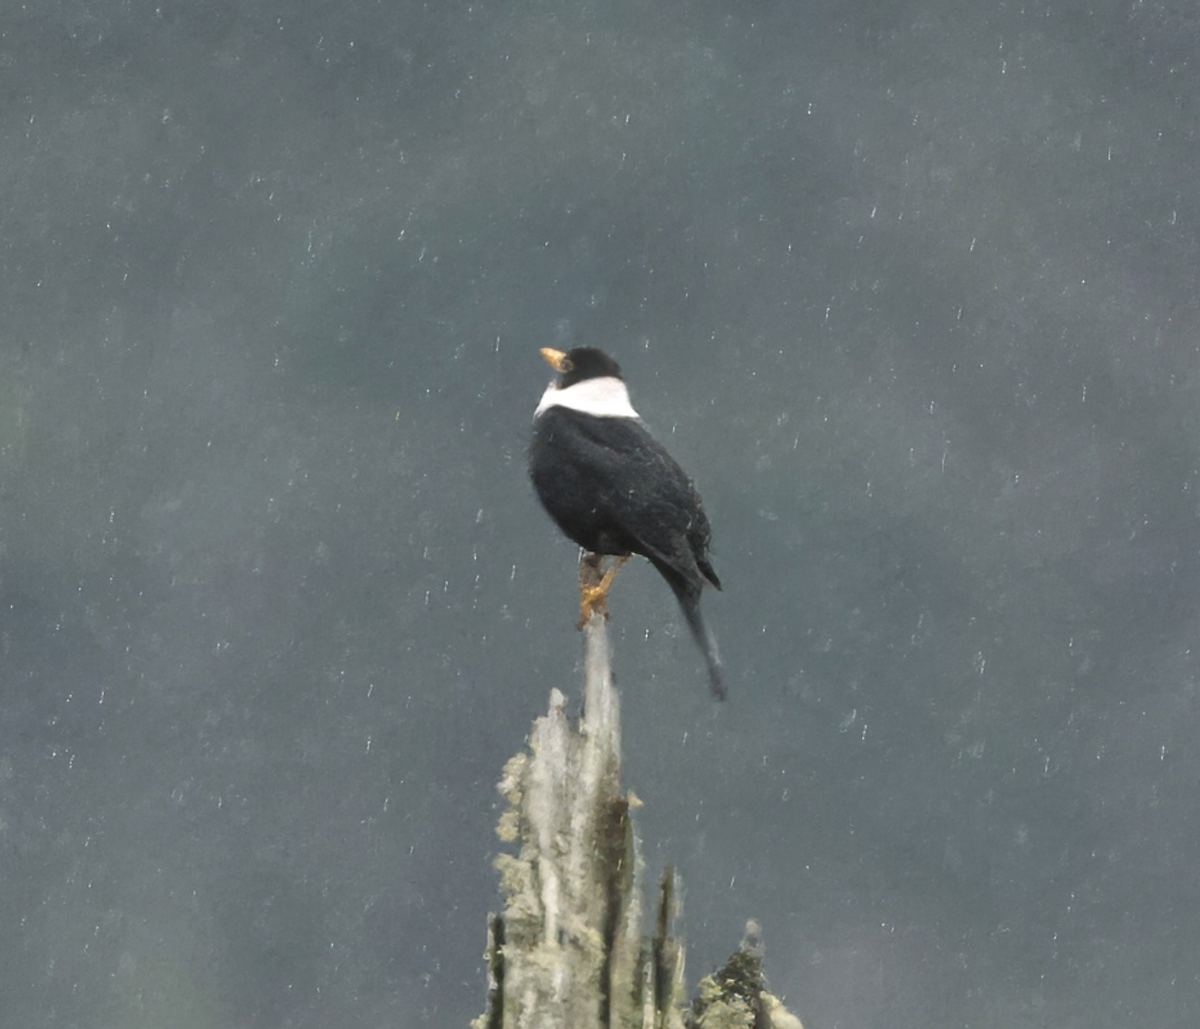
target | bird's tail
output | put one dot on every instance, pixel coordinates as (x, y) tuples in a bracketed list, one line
[(689, 601), (687, 590)]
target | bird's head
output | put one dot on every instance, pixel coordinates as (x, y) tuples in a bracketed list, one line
[(579, 364)]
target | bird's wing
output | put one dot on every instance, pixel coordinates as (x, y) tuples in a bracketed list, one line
[(661, 510)]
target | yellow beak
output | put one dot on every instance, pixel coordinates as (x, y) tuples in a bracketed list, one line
[(556, 359)]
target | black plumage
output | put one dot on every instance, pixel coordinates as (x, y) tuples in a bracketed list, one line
[(613, 488)]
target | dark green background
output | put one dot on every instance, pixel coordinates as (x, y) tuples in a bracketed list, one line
[(910, 288)]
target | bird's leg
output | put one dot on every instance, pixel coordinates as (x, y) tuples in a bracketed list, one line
[(593, 587)]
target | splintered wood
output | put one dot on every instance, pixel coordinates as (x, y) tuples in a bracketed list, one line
[(569, 952)]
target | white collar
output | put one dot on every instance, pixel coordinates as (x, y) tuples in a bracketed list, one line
[(605, 397)]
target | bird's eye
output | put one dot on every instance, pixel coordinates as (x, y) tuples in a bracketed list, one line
[(566, 365)]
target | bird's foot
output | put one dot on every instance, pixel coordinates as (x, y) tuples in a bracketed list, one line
[(593, 587), (592, 600)]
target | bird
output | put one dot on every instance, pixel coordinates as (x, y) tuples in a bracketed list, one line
[(613, 489)]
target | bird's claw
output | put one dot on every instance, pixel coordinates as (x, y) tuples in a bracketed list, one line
[(593, 587), (592, 600)]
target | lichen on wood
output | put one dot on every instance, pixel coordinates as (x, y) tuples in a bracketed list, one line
[(569, 951)]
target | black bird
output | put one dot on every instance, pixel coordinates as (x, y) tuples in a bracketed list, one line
[(614, 489)]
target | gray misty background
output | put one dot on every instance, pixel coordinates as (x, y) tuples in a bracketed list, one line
[(910, 289)]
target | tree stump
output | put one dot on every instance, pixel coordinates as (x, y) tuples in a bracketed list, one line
[(569, 951)]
